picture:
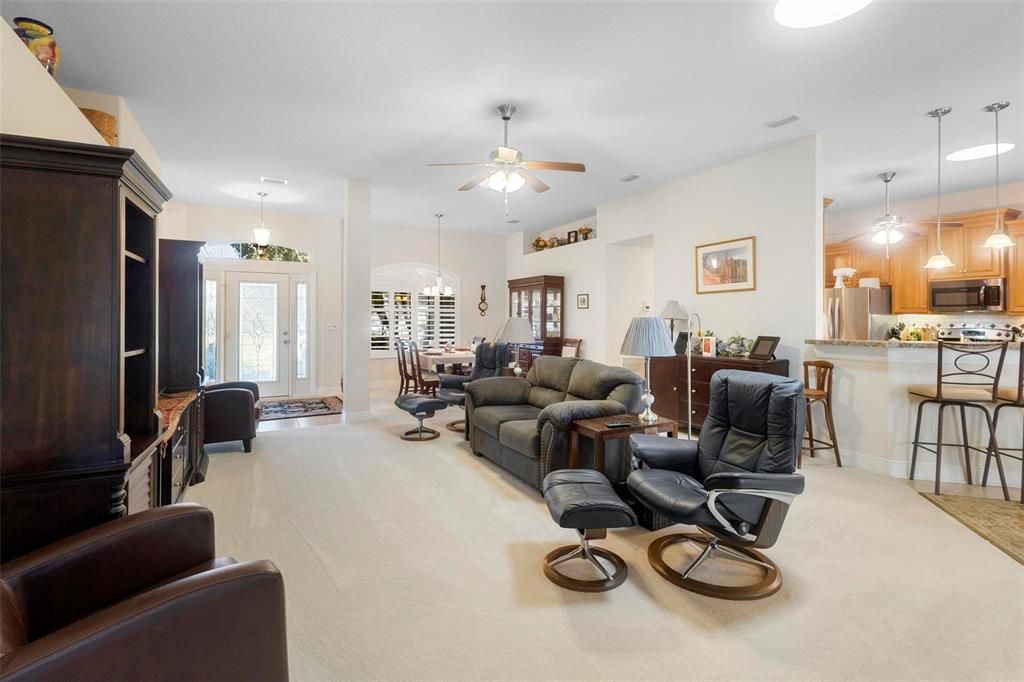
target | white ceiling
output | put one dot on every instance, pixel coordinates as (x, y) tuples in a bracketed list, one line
[(320, 92)]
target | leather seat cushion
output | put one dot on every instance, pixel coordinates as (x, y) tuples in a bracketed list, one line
[(419, 404), (489, 419), (961, 393), (583, 498), (675, 495), (521, 436), (452, 396)]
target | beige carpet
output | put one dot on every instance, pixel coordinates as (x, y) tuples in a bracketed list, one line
[(998, 521), (411, 561)]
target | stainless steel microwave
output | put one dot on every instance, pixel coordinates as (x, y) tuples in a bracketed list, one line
[(967, 296)]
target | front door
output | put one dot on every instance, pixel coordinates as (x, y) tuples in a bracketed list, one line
[(258, 314)]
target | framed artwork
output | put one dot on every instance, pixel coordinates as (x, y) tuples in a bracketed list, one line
[(574, 236), (764, 348), (726, 266), (582, 301)]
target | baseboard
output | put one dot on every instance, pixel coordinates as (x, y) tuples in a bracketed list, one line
[(952, 470)]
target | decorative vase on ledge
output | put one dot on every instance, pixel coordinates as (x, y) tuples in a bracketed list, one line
[(38, 38)]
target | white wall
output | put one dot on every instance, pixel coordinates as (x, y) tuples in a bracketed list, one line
[(476, 258), (31, 102), (841, 225), (320, 236), (773, 195), (129, 132)]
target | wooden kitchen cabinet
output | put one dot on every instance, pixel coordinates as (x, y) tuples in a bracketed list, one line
[(871, 261), (1015, 268), (839, 255), (909, 278), (867, 258), (965, 246)]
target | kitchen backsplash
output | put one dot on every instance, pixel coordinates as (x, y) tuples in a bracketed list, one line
[(973, 318)]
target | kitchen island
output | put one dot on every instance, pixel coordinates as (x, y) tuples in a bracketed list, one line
[(874, 414)]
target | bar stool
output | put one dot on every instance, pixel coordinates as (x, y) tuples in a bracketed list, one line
[(969, 382), (1009, 396), (821, 392)]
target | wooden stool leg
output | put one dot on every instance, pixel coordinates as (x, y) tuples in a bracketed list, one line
[(967, 447), (832, 432)]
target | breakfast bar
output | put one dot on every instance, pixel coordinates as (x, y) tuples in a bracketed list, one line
[(874, 413)]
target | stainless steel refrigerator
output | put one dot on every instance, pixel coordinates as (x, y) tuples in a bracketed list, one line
[(858, 313)]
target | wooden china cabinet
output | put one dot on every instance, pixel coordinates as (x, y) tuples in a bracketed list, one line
[(541, 300)]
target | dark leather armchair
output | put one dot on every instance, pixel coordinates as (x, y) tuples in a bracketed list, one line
[(490, 359), (231, 411), (735, 483), (142, 598)]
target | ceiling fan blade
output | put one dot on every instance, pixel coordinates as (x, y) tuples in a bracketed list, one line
[(478, 163), (478, 180), (945, 223), (535, 184), (556, 165)]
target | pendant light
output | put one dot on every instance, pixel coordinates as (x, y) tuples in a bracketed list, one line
[(886, 230), (998, 239), (939, 260), (261, 229), (438, 288)]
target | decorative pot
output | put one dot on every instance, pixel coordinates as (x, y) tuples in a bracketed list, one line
[(38, 37), (585, 232), (539, 244)]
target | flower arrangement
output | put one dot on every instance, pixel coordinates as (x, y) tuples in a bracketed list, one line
[(585, 232)]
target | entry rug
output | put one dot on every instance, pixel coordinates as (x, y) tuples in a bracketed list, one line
[(998, 521), (289, 408)]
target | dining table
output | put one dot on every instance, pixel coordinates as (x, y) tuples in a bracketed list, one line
[(434, 359)]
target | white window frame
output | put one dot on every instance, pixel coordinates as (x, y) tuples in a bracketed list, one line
[(411, 278)]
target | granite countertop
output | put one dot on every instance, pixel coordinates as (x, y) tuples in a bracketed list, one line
[(864, 343)]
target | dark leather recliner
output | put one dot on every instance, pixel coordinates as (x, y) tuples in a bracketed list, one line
[(231, 411), (735, 483), (142, 598), (490, 359)]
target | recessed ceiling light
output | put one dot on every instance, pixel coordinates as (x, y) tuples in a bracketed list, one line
[(811, 13), (273, 181), (629, 178), (982, 151)]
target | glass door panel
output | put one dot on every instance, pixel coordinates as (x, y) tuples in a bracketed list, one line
[(535, 311), (261, 326), (554, 313)]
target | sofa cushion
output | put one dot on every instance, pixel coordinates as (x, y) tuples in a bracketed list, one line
[(593, 381), (490, 419), (549, 376), (521, 436)]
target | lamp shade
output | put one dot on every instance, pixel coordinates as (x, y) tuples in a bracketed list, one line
[(515, 330), (674, 311), (648, 337)]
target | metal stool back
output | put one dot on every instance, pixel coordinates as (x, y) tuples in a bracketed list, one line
[(967, 376), (1008, 397)]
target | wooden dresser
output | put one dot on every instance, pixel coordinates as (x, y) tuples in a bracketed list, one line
[(668, 382)]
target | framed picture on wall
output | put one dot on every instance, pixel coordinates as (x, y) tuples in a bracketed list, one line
[(582, 301), (726, 266)]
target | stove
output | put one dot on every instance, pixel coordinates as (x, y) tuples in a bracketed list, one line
[(969, 331)]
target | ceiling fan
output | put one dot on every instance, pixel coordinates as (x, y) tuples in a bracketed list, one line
[(506, 171)]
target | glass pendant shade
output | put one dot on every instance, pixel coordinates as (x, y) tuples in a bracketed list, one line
[(998, 239), (938, 262), (438, 288), (505, 181), (261, 229)]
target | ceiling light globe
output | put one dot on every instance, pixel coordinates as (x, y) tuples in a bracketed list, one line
[(938, 262), (811, 13), (998, 240), (505, 181), (887, 236), (261, 235)]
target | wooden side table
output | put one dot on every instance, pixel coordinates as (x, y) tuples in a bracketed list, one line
[(597, 429)]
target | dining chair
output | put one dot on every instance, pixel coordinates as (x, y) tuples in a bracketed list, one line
[(819, 391), (571, 348), (424, 381)]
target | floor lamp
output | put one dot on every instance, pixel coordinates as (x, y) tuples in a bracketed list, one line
[(648, 337), (515, 331)]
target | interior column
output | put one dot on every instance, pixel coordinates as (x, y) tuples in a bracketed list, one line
[(355, 354)]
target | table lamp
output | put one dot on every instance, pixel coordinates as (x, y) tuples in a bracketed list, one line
[(648, 337), (515, 331), (674, 311)]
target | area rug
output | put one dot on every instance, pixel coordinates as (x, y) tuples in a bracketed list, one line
[(289, 408), (998, 521)]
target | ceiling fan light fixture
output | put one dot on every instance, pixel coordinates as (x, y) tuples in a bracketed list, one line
[(887, 235), (812, 13), (505, 181)]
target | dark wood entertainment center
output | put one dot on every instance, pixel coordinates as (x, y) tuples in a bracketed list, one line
[(668, 382), (84, 436)]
